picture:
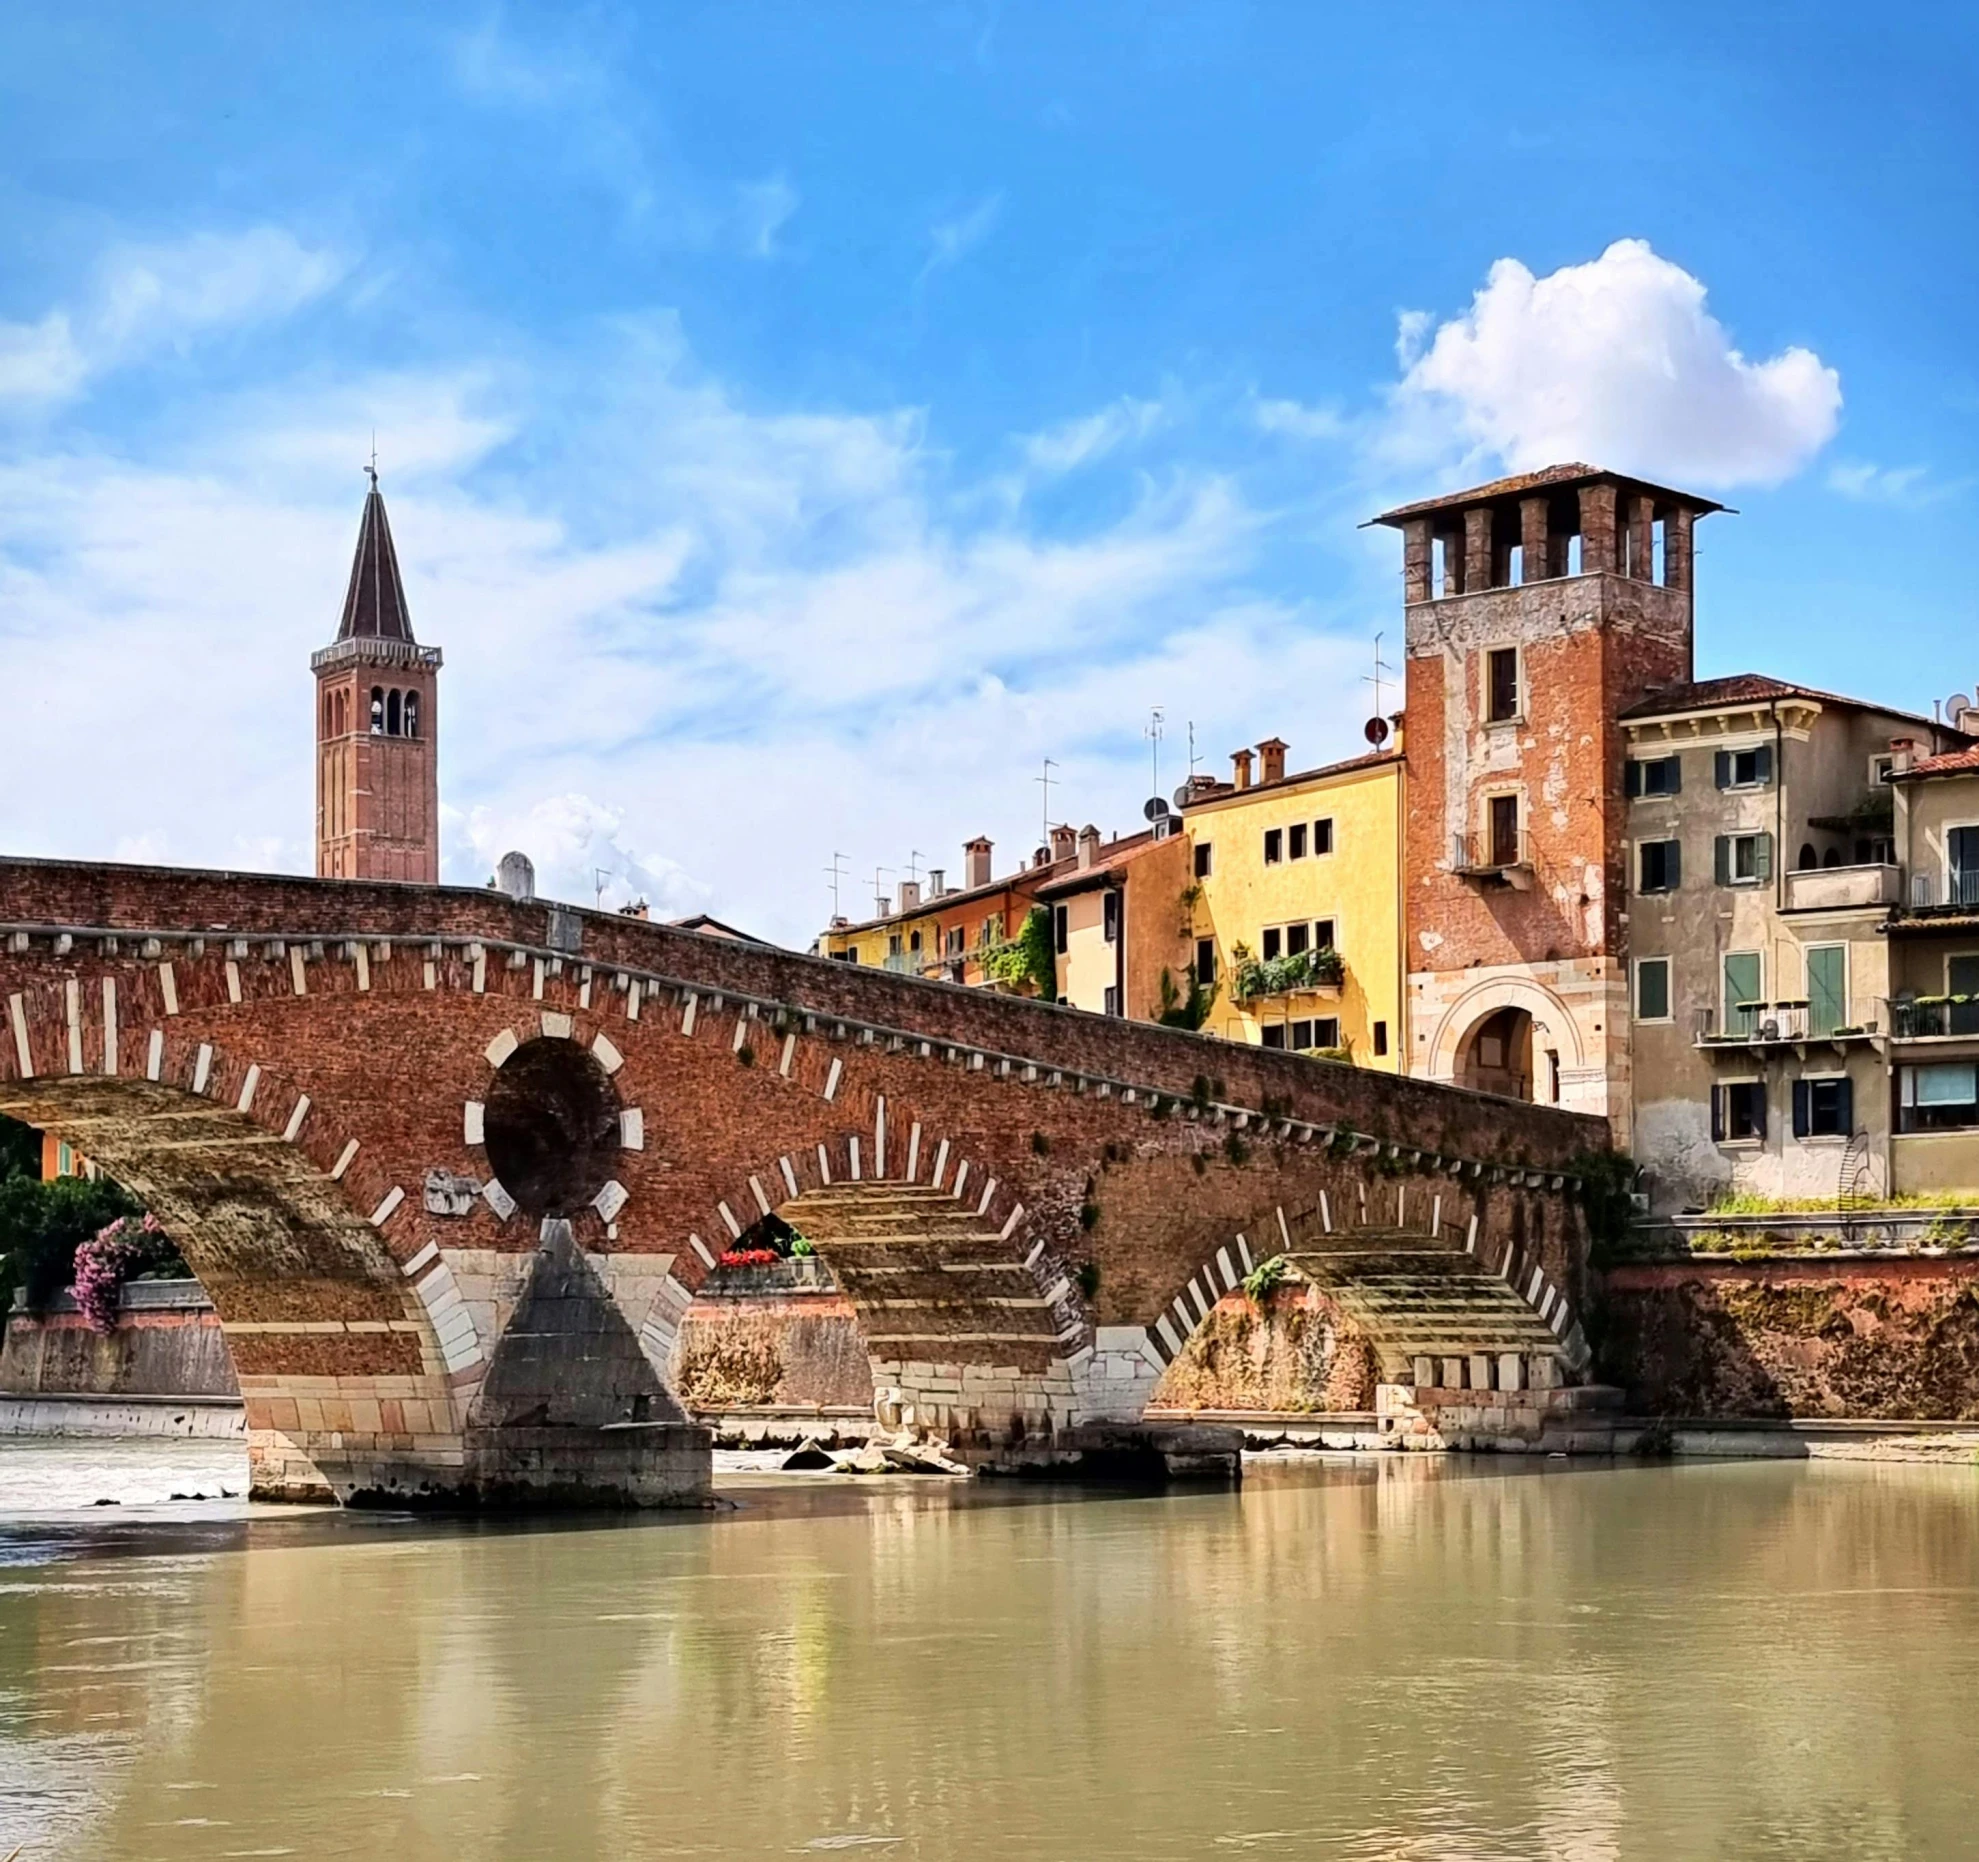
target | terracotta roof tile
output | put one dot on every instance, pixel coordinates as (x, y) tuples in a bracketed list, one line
[(1749, 688), (1546, 478), (1952, 763)]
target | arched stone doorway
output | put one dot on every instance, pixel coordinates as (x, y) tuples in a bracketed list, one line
[(1498, 1056)]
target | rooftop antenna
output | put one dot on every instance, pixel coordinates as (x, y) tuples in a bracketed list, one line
[(1153, 734), (1044, 834), (879, 897), (1375, 679), (914, 864), (599, 875), (839, 867)]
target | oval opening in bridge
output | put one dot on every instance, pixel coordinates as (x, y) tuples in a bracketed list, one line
[(551, 1127)]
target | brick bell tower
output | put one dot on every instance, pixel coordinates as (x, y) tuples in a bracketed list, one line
[(377, 726), (1537, 609)]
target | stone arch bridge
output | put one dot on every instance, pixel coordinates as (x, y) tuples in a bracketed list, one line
[(452, 1166)]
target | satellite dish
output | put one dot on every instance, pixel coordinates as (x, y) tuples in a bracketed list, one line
[(1156, 808), (1182, 796), (1956, 705), (1377, 731)]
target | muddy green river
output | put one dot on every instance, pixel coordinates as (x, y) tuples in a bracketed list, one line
[(1367, 1658)]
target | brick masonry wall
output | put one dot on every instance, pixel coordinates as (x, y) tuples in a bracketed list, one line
[(1889, 1339)]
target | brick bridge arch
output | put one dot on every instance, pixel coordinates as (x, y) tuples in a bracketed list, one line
[(298, 1075)]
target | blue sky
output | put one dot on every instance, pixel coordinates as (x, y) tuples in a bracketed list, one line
[(798, 422)]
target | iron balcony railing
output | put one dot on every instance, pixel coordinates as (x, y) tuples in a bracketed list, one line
[(1932, 891), (1925, 1018)]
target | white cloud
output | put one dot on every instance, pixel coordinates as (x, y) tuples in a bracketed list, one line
[(580, 852), (1617, 362), (956, 235), (762, 208), (1295, 420), (1081, 442), (1905, 486), (153, 297)]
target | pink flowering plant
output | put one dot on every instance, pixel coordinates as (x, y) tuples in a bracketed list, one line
[(125, 1248)]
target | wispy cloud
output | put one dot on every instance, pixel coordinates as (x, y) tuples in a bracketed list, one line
[(1091, 437), (763, 208), (1906, 486), (147, 298), (1295, 420), (955, 236)]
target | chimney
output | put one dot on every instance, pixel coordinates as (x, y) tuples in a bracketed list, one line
[(1062, 839), (937, 882), (1271, 755), (976, 862), (516, 876), (1903, 753), (1240, 768), (1042, 857), (910, 895), (1088, 847)]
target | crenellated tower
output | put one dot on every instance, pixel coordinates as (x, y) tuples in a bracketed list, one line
[(377, 726)]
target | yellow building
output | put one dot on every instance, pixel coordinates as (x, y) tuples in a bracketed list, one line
[(1297, 907)]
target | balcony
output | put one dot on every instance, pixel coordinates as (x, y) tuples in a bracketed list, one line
[(1836, 888), (1316, 971), (1933, 1018), (1775, 1024), (1953, 891), (1499, 858)]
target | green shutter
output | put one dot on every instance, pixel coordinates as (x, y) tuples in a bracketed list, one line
[(1742, 984), (1762, 857), (1721, 860), (1827, 989), (1722, 768)]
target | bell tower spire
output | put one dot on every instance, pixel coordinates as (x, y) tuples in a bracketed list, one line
[(377, 723)]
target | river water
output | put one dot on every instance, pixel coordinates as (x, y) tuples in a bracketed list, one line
[(1379, 1658)]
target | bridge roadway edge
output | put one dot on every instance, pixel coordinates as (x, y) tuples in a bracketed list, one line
[(991, 1074)]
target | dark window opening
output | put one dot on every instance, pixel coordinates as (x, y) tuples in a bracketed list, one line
[(1502, 679), (1205, 961), (1939, 1097), (1112, 999), (1297, 837), (1662, 775), (1739, 1112), (1322, 836), (1274, 1036), (1662, 865), (1380, 1038), (377, 710), (1504, 830), (1744, 769), (1274, 846), (1274, 942), (411, 721), (1823, 1108), (1202, 859), (1322, 934), (1295, 939), (392, 715), (1060, 928), (1110, 917)]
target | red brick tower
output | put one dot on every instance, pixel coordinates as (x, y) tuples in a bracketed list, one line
[(377, 726), (1537, 608)]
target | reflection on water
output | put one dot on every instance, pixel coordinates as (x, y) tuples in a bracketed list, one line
[(1381, 1658)]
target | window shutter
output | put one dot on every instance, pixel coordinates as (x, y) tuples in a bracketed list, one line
[(1759, 1108), (1632, 779), (1802, 1094), (1762, 763), (1762, 857), (1721, 859), (1717, 1115), (1673, 865), (1676, 767), (1724, 769), (1845, 1108)]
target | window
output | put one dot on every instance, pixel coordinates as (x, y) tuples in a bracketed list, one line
[(1823, 1108), (1060, 927), (1652, 989), (893, 945), (1321, 1031), (1942, 1097), (1322, 836), (1662, 865), (850, 954), (1380, 1038), (1742, 859), (1738, 1112), (1504, 830), (1301, 1033), (1962, 979), (1962, 866), (1205, 961), (1274, 942), (1322, 934), (1201, 852), (913, 940), (1296, 835), (1880, 768), (392, 715), (1112, 999), (1295, 939), (957, 939), (1827, 989), (412, 714), (1501, 685), (1274, 1036), (1744, 985), (1662, 775), (1110, 917), (1745, 769), (987, 935), (377, 710), (1274, 846)]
